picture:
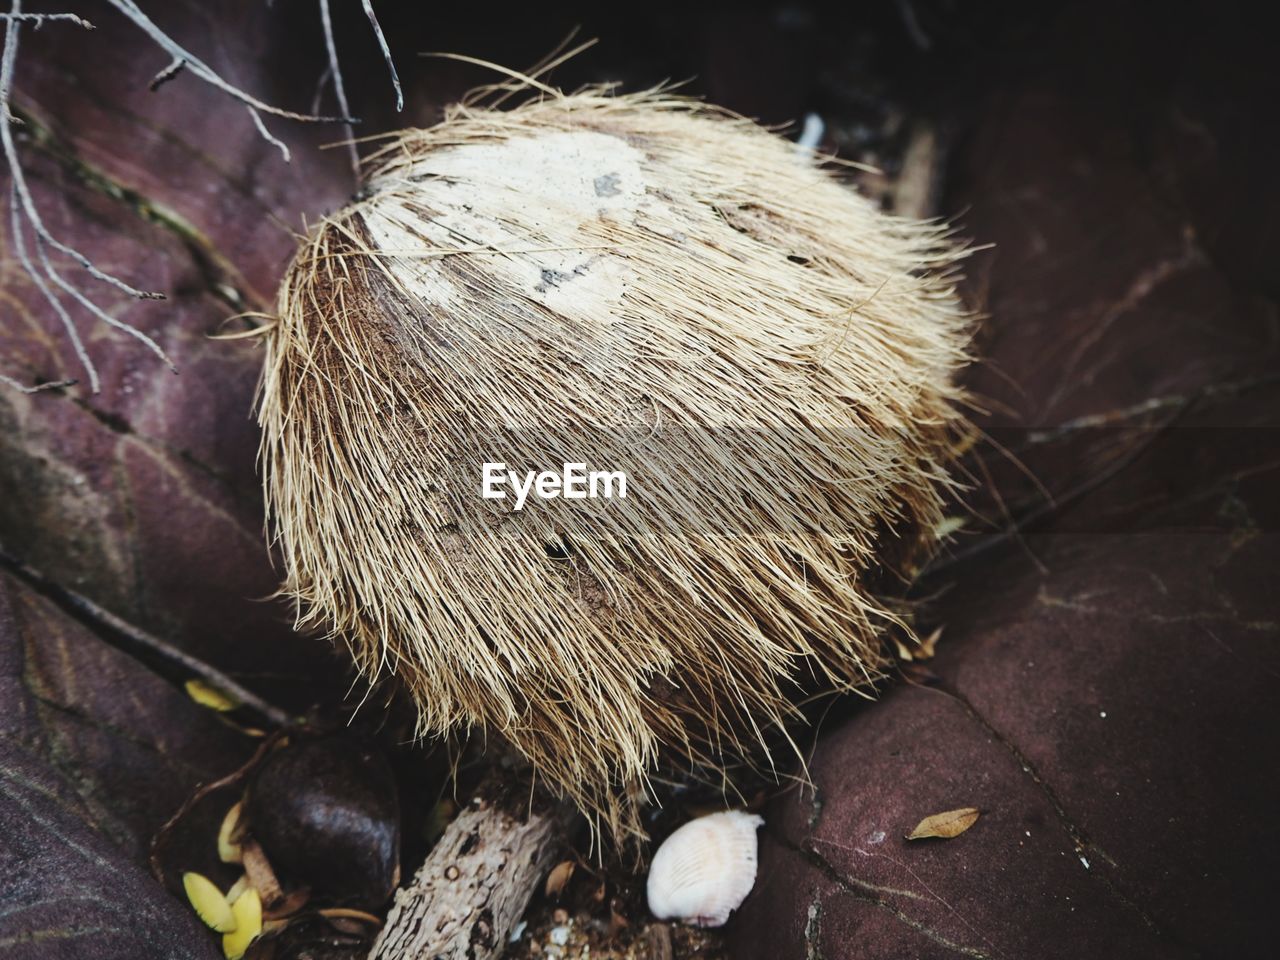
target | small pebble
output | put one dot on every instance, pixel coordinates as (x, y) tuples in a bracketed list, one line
[(559, 936)]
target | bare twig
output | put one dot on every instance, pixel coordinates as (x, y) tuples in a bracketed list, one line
[(98, 311), (161, 840), (19, 181), (323, 82), (179, 663), (23, 388), (386, 53), (202, 70), (268, 136), (207, 74), (39, 19), (167, 74), (44, 273), (339, 89), (22, 206), (20, 246)]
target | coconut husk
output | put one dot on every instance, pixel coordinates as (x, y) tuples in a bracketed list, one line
[(623, 279)]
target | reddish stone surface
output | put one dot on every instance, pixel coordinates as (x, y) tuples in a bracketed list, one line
[(96, 752), (1110, 293), (1104, 690), (1112, 718)]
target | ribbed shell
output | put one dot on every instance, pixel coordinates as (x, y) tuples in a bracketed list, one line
[(704, 870)]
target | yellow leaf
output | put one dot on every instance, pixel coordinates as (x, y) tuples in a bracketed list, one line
[(237, 888), (558, 877), (945, 825), (248, 915), (209, 903), (229, 834), (211, 697)]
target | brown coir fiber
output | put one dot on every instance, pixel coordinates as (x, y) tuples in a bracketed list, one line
[(630, 266)]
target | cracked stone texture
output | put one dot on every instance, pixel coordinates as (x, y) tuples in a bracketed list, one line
[(1112, 720), (1104, 690)]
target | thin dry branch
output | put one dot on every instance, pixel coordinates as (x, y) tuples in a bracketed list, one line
[(158, 654), (167, 74), (22, 388), (206, 73), (44, 272), (333, 71), (68, 324), (23, 206), (386, 53), (39, 19), (339, 88)]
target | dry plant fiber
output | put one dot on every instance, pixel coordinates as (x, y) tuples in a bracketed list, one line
[(610, 278)]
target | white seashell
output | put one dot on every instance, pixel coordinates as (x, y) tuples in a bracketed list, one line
[(704, 870)]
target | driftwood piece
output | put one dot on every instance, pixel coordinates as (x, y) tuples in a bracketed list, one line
[(475, 885), (658, 939)]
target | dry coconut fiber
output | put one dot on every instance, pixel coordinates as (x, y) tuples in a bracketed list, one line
[(586, 277)]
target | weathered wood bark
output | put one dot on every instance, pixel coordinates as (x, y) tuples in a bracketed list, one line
[(471, 891)]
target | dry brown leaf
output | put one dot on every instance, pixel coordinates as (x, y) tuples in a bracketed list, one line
[(558, 877), (927, 645), (945, 825)]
